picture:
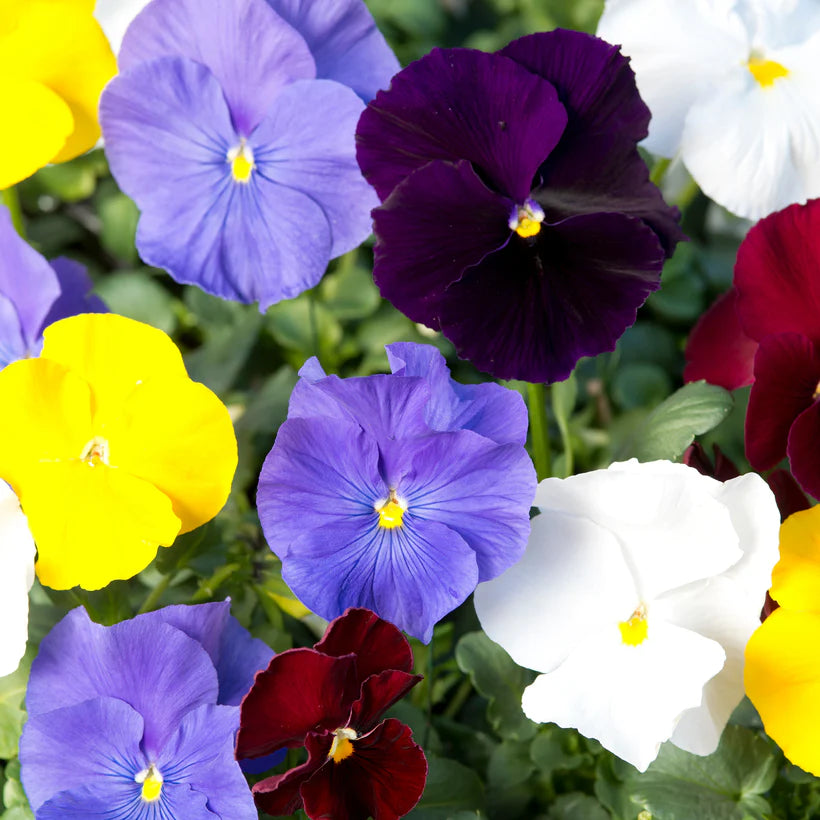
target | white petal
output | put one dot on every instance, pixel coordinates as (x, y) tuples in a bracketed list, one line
[(627, 697), (670, 527), (678, 51), (16, 578), (571, 582), (721, 610), (115, 16)]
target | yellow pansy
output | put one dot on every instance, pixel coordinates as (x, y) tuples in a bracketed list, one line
[(112, 449), (782, 672), (54, 62)]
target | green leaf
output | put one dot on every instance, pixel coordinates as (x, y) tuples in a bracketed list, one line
[(509, 769), (350, 293), (577, 806), (267, 406), (18, 813), (726, 785), (672, 426), (12, 713), (307, 327), (496, 676), (451, 790), (139, 296), (556, 750), (119, 216)]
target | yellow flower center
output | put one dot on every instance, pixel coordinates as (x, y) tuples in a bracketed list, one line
[(151, 781), (96, 451), (526, 219), (242, 162), (391, 511), (766, 71), (342, 747), (634, 631)]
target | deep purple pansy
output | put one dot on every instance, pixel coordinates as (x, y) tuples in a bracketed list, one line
[(518, 217), (231, 126), (330, 699), (34, 293), (398, 492), (138, 720)]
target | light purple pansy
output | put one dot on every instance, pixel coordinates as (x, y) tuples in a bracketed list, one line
[(34, 293), (138, 720), (231, 126), (398, 493)]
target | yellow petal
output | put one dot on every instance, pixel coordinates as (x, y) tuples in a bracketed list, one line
[(94, 524), (45, 415), (113, 354), (36, 125), (796, 578), (61, 46), (782, 678), (178, 435)]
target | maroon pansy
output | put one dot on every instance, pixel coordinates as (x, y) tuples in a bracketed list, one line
[(330, 699), (518, 217)]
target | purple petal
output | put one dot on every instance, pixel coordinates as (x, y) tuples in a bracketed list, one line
[(138, 661), (201, 754), (75, 296), (250, 50), (12, 344), (527, 316), (344, 41), (488, 409), (461, 104), (439, 222), (412, 575), (94, 741), (481, 490)]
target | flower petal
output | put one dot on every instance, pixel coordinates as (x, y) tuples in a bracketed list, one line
[(718, 350), (74, 297), (795, 578), (459, 104), (251, 50), (787, 373), (379, 693)]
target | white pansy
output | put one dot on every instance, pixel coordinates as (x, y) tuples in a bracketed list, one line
[(640, 586), (732, 87), (115, 16), (16, 578)]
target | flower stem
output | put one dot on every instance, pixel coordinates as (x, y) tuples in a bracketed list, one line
[(430, 669), (153, 599), (10, 197), (659, 170), (539, 431)]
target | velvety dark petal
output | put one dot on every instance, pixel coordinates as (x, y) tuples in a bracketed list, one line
[(301, 691), (803, 444), (790, 498), (723, 469), (280, 794), (488, 409), (75, 296), (481, 490), (379, 693), (440, 221), (787, 373), (344, 41), (320, 471), (411, 575), (718, 350), (531, 312), (383, 778), (250, 49), (777, 274), (458, 104), (200, 754), (139, 662), (377, 644)]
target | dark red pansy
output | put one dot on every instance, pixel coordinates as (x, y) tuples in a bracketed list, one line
[(517, 215), (330, 700)]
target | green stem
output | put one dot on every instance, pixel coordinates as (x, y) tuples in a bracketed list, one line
[(428, 724), (539, 431), (463, 692), (659, 170), (152, 601), (314, 321), (10, 197), (684, 199)]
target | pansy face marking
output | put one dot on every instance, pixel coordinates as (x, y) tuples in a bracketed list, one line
[(766, 71), (151, 781), (391, 511), (526, 219), (96, 452), (342, 747), (635, 630), (242, 162)]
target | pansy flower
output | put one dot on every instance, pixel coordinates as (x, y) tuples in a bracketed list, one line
[(231, 126), (732, 87), (34, 293), (330, 699), (111, 448), (138, 720), (518, 217), (54, 61), (639, 589), (767, 330), (396, 492)]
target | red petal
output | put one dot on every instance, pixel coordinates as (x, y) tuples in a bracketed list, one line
[(383, 778), (777, 274), (302, 690), (379, 693), (804, 444), (790, 498), (377, 644), (279, 795), (787, 370), (718, 350), (723, 469)]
